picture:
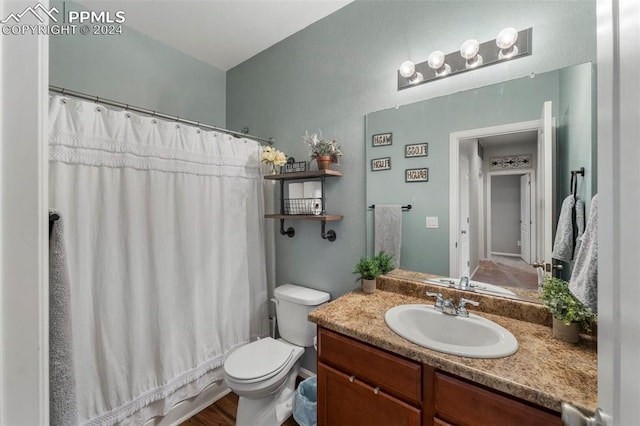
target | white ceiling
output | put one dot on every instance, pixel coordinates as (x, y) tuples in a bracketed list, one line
[(222, 33)]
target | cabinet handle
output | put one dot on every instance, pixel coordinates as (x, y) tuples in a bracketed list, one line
[(352, 378), (376, 390)]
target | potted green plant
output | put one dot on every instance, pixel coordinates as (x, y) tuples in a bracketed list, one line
[(370, 268), (569, 314), (325, 151)]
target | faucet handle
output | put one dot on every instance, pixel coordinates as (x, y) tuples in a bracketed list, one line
[(439, 299), (462, 310)]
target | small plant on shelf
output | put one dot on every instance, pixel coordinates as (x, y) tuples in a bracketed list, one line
[(325, 151), (569, 314)]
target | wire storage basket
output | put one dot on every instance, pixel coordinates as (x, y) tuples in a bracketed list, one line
[(302, 206)]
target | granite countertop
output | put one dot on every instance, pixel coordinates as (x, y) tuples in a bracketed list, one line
[(544, 370)]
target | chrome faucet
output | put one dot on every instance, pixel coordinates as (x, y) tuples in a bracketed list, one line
[(446, 306), (439, 300), (464, 283), (462, 310)]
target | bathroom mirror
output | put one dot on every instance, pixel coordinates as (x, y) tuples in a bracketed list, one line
[(480, 207)]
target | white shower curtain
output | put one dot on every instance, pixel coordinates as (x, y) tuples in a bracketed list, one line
[(165, 245)]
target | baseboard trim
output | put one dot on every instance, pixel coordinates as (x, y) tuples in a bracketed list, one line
[(475, 270), (305, 374), (497, 253)]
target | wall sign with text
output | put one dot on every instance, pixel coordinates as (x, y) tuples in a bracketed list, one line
[(416, 150), (378, 164), (382, 139), (416, 175)]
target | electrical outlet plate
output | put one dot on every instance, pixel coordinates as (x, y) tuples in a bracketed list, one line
[(432, 222)]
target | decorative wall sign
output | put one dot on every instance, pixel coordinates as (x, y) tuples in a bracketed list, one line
[(416, 175), (378, 164), (416, 150), (300, 166), (382, 139), (505, 162)]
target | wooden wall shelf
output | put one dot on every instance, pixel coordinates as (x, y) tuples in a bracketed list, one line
[(329, 235)]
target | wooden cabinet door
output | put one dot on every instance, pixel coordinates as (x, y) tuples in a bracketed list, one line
[(347, 401)]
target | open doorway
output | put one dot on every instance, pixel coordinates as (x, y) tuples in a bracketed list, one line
[(497, 205)]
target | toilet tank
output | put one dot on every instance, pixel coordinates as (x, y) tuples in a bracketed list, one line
[(293, 304)]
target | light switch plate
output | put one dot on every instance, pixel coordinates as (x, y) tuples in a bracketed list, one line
[(432, 222)]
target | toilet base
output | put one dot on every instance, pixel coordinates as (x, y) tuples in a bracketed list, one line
[(272, 410)]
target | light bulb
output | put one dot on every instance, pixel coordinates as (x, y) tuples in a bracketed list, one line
[(506, 38), (416, 78), (407, 69), (469, 49), (436, 59)]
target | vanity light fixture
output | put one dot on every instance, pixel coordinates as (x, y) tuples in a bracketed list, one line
[(506, 40), (408, 71), (437, 62), (469, 51), (508, 45)]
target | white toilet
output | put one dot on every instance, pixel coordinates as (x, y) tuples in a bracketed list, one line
[(263, 373)]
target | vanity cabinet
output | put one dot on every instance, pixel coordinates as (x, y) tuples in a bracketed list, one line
[(287, 205), (359, 384), (362, 385)]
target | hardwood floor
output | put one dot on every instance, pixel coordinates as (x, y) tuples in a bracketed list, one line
[(222, 413), (506, 273)]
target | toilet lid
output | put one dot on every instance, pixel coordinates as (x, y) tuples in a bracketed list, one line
[(258, 360)]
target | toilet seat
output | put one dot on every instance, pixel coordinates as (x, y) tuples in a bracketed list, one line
[(258, 361)]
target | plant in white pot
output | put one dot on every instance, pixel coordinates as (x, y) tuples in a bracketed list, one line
[(370, 268), (569, 314)]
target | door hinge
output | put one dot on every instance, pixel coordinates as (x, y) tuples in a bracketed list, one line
[(467, 263)]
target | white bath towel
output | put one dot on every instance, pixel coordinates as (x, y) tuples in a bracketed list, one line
[(584, 278), (564, 247), (388, 230)]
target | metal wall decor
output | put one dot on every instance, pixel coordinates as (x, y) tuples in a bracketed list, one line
[(382, 139), (416, 175), (506, 162), (300, 166), (378, 164), (416, 150)]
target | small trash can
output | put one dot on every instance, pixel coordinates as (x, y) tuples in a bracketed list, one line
[(305, 402)]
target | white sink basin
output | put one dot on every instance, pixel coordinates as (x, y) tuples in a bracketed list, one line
[(479, 286), (473, 337)]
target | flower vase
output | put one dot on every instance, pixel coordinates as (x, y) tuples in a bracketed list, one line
[(273, 170), (324, 162)]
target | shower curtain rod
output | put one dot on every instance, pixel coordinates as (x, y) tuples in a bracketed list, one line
[(153, 113)]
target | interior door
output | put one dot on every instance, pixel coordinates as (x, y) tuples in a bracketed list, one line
[(545, 198), (525, 218), (463, 251)]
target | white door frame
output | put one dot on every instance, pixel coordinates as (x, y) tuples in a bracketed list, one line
[(454, 152), (534, 206), (24, 225)]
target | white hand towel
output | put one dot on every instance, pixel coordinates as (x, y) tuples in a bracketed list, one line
[(564, 247), (388, 230), (584, 277)]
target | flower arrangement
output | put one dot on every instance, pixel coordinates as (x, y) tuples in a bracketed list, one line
[(319, 146), (273, 157)]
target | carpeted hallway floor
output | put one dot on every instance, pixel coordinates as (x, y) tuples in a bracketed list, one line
[(507, 271)]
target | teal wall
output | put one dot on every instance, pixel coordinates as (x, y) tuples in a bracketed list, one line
[(334, 72), (432, 121), (138, 70)]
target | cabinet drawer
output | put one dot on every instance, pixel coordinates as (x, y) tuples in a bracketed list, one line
[(463, 403), (395, 375), (346, 401)]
